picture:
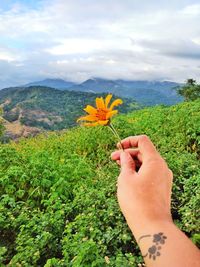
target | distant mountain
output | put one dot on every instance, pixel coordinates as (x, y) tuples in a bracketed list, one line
[(48, 108), (96, 85), (144, 92), (53, 83)]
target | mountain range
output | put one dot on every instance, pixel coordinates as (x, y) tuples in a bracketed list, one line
[(147, 93), (55, 104)]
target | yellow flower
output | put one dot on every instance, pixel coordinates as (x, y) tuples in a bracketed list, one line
[(102, 113)]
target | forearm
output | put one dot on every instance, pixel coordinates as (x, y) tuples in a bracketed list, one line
[(144, 197), (162, 245)]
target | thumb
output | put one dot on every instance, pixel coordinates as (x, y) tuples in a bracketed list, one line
[(127, 162)]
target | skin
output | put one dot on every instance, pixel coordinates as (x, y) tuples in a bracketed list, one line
[(144, 195)]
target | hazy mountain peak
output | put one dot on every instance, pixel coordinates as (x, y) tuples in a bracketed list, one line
[(54, 83), (144, 92)]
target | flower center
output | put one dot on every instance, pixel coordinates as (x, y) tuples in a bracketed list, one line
[(101, 114)]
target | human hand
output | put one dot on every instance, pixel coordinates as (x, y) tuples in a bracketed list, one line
[(144, 195)]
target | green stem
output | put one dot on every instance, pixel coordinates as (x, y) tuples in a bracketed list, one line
[(116, 134)]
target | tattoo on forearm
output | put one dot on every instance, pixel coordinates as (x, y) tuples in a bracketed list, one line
[(158, 240)]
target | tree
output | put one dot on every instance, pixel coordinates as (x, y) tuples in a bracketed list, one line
[(190, 91), (191, 81)]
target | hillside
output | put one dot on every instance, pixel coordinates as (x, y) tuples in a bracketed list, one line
[(146, 93), (58, 192), (48, 108), (15, 130)]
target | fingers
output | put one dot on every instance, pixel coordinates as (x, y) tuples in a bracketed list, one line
[(143, 143), (132, 151), (135, 154), (127, 163), (118, 162)]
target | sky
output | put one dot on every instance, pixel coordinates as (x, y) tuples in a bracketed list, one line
[(111, 39)]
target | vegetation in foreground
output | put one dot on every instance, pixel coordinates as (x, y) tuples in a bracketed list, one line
[(58, 202)]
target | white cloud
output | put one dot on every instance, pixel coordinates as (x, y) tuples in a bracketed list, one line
[(191, 10), (7, 56), (76, 46), (113, 39), (196, 41)]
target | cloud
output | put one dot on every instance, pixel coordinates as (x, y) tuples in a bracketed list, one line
[(76, 40), (183, 48), (7, 55), (191, 10)]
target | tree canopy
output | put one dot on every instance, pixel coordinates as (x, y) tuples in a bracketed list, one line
[(190, 91)]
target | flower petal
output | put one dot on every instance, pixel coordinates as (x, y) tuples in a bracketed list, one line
[(87, 118), (115, 103), (103, 122), (91, 110), (111, 113), (91, 124), (107, 100), (100, 103)]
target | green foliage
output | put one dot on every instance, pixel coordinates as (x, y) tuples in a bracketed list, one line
[(12, 115), (196, 239), (1, 123), (190, 91), (58, 203)]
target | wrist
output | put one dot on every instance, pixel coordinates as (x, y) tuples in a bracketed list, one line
[(149, 226)]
